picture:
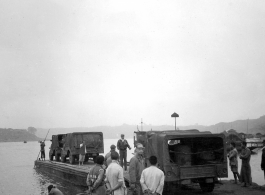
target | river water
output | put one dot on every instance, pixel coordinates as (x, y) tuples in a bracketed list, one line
[(18, 176)]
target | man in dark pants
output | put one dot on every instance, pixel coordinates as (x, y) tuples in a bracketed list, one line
[(122, 146), (42, 149)]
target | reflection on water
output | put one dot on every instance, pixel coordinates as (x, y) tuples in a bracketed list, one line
[(18, 175)]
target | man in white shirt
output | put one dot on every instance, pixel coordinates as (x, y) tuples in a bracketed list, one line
[(114, 176), (152, 178), (82, 153)]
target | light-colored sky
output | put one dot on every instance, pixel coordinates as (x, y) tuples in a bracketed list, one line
[(84, 63)]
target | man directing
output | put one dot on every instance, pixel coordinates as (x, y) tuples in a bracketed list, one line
[(122, 146)]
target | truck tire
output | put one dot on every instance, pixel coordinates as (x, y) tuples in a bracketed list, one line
[(51, 156), (86, 158), (71, 159), (63, 158), (94, 159), (57, 156), (207, 187)]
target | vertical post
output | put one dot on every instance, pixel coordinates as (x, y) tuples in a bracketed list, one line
[(175, 115), (247, 126), (141, 124), (175, 124)]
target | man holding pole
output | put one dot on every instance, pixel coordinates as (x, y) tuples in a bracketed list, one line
[(42, 149)]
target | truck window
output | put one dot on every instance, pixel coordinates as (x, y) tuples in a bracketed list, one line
[(92, 140), (196, 151)]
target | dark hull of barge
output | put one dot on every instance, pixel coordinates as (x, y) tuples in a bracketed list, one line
[(72, 173)]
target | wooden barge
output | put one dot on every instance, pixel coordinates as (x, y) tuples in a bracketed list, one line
[(72, 173)]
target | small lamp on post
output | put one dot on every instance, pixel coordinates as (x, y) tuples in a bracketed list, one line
[(175, 115)]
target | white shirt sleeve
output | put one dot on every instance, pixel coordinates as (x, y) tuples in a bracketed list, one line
[(142, 181), (160, 187)]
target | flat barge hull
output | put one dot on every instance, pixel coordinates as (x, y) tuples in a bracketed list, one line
[(72, 173)]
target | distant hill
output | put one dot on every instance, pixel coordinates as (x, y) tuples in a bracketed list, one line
[(253, 125), (16, 135)]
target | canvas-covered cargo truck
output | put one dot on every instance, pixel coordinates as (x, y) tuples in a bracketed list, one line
[(186, 156), (56, 146), (71, 148)]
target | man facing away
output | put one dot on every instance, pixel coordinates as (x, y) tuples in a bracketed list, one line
[(114, 177), (122, 146), (263, 158), (82, 153), (135, 171), (232, 155), (42, 149), (152, 178), (95, 177), (245, 167)]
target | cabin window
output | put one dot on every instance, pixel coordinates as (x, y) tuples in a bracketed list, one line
[(196, 151)]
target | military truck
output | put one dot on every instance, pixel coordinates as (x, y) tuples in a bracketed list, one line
[(56, 146), (186, 157), (93, 141)]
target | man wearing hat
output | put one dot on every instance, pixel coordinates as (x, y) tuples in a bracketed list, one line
[(136, 167), (108, 155), (122, 146)]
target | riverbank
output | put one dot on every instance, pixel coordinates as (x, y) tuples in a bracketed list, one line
[(225, 187)]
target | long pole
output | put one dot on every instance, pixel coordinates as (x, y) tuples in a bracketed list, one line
[(247, 126), (44, 141)]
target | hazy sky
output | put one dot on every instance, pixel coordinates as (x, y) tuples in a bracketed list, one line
[(88, 63)]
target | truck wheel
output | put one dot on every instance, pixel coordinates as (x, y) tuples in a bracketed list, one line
[(51, 157), (57, 156), (71, 159), (207, 187), (86, 158), (94, 159), (63, 158)]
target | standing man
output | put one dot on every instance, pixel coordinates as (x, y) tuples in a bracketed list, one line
[(245, 167), (122, 146), (233, 160), (42, 149), (95, 178), (82, 153), (114, 177), (152, 178), (108, 155), (263, 158), (135, 171)]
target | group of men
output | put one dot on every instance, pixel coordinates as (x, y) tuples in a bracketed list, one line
[(149, 181), (245, 155)]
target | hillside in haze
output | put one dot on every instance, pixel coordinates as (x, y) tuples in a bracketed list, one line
[(16, 135), (251, 126)]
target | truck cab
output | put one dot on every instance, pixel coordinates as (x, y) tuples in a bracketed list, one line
[(93, 141), (186, 156)]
